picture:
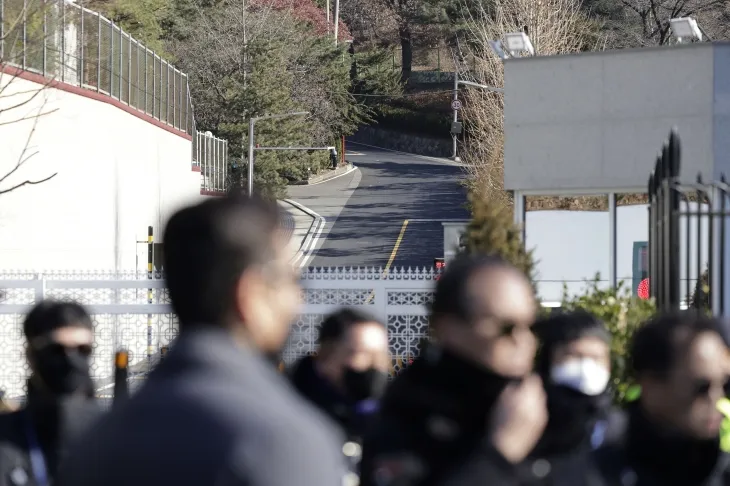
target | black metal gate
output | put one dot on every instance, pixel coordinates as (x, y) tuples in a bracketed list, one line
[(687, 237)]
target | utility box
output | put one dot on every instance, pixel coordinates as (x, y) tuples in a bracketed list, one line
[(453, 233)]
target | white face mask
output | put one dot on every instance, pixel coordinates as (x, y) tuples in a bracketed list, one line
[(581, 374)]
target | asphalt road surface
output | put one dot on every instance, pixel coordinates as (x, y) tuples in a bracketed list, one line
[(366, 210)]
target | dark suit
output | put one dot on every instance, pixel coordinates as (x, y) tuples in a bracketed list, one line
[(210, 414)]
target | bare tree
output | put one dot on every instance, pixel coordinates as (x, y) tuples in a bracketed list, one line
[(647, 21), (22, 35), (555, 27)]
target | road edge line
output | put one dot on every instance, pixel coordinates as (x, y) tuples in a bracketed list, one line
[(443, 160), (349, 171), (305, 251)]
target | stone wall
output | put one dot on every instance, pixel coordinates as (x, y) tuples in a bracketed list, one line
[(403, 142)]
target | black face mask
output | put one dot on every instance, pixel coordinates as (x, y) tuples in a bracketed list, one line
[(364, 385), (63, 371)]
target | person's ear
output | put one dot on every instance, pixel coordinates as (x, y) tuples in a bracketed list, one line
[(247, 292)]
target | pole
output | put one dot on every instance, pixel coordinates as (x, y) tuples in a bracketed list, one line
[(337, 18), (250, 156), (328, 16), (456, 112), (150, 264)]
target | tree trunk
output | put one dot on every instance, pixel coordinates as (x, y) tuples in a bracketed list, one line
[(406, 46)]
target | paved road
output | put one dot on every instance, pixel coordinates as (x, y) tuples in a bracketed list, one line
[(365, 209)]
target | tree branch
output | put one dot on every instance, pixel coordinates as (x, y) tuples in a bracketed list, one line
[(25, 183)]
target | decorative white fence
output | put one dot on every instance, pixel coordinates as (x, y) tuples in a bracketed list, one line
[(126, 317)]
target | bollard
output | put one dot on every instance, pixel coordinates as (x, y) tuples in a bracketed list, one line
[(121, 373)]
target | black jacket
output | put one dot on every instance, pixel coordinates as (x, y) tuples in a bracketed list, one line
[(648, 455), (210, 413), (432, 428), (55, 425), (353, 418)]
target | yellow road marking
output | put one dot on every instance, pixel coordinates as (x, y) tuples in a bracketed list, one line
[(395, 248), (392, 256)]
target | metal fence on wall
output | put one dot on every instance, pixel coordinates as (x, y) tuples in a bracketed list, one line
[(65, 42), (72, 44), (211, 155), (688, 237)]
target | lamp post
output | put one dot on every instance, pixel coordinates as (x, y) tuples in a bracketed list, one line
[(251, 122), (456, 104)]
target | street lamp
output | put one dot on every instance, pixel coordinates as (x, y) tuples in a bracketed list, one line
[(686, 28), (251, 123), (456, 106)]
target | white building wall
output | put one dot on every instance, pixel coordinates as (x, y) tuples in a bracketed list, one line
[(117, 174)]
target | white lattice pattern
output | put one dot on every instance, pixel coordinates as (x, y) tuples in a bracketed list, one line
[(124, 317)]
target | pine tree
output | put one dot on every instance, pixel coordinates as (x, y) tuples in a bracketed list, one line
[(492, 231)]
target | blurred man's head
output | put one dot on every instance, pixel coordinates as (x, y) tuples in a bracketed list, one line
[(681, 364), (353, 353), (482, 311), (60, 340), (575, 352), (226, 265)]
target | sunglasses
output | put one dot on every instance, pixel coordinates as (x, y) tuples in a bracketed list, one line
[(56, 348), (701, 388)]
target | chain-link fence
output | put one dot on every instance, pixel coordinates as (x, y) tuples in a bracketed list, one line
[(66, 42), (430, 64), (72, 44)]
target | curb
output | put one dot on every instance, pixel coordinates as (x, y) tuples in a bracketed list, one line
[(443, 160), (310, 240), (318, 179)]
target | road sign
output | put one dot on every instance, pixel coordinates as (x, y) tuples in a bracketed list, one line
[(456, 105)]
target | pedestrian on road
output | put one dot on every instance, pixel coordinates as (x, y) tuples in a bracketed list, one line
[(574, 364), (673, 433), (348, 376), (468, 410), (215, 411), (59, 407)]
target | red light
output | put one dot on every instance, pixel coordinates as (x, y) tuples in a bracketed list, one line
[(643, 289)]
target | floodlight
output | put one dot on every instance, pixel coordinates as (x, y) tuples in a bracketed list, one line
[(685, 28), (519, 42)]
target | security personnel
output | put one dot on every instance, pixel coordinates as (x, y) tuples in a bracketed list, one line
[(574, 363), (674, 428), (60, 403), (348, 375), (467, 411)]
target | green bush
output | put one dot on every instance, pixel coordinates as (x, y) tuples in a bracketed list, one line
[(492, 230), (623, 313)]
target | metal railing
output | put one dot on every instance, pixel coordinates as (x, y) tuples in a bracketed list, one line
[(72, 44), (66, 42), (211, 155), (688, 237)]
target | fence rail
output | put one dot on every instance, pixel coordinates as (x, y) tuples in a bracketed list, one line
[(211, 155), (125, 316), (688, 237), (66, 42)]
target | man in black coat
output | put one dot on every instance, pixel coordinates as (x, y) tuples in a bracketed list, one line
[(349, 373), (681, 363), (467, 411), (216, 411), (60, 404)]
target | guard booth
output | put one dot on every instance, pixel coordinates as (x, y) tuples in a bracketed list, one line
[(453, 235), (591, 124)]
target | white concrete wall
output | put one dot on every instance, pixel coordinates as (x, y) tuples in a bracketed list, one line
[(573, 246), (117, 175)]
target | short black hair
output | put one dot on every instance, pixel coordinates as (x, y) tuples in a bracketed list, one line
[(49, 315), (564, 327), (453, 296), (208, 246), (659, 344), (336, 325)]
